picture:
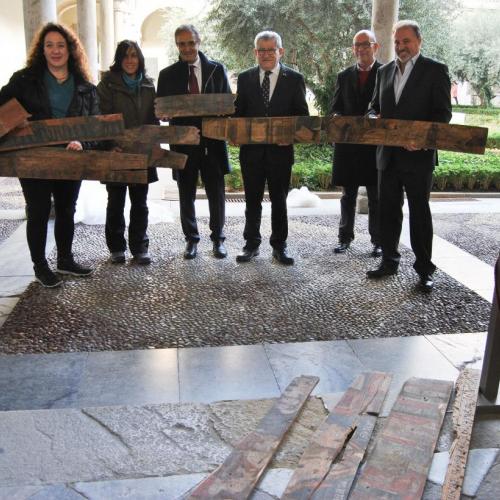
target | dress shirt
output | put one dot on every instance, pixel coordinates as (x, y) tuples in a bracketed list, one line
[(400, 79), (197, 72), (273, 78)]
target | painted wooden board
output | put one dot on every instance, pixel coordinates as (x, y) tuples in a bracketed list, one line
[(238, 475), (63, 130), (12, 115), (464, 410), (399, 463), (390, 132), (142, 138), (58, 163), (162, 158), (365, 395), (264, 130), (194, 105)]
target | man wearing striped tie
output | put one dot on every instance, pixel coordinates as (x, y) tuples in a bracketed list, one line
[(194, 73), (269, 89)]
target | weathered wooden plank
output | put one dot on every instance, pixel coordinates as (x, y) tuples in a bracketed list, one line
[(464, 409), (63, 130), (398, 465), (161, 158), (57, 163), (390, 132), (142, 138), (12, 115), (366, 393), (264, 130), (194, 105), (237, 476)]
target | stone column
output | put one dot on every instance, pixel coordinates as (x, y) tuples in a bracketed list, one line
[(107, 34), (36, 14), (87, 31), (384, 15)]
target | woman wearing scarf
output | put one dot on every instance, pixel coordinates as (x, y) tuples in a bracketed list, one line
[(126, 89)]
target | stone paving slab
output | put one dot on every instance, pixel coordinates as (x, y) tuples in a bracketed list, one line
[(208, 302), (122, 442), (477, 234)]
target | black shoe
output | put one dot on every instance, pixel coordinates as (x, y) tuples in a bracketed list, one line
[(282, 257), (377, 251), (341, 247), (143, 259), (45, 276), (117, 258), (191, 250), (220, 251), (426, 283), (247, 255), (69, 266), (381, 271)]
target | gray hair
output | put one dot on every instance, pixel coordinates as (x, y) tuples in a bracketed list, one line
[(369, 33), (190, 28), (268, 35), (406, 23)]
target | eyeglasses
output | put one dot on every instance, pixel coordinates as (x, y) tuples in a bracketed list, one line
[(190, 44), (262, 52), (363, 45)]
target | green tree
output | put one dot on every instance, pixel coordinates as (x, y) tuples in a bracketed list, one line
[(476, 52), (317, 34)]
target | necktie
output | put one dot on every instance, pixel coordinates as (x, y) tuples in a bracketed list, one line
[(266, 88), (193, 81)]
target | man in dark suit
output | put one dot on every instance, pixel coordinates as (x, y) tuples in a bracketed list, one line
[(194, 73), (412, 87), (355, 165), (269, 89)]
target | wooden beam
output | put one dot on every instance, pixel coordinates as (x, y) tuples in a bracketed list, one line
[(57, 163), (366, 394), (399, 463), (267, 130), (389, 132), (162, 158), (12, 115), (464, 409), (147, 135), (194, 105), (62, 131), (238, 475)]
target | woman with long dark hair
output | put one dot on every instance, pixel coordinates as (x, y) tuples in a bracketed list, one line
[(54, 84), (126, 89)]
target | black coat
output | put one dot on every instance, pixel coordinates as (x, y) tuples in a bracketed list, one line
[(425, 97), (353, 164), (173, 80), (288, 99), (29, 89)]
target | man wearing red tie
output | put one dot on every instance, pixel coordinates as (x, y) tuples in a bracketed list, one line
[(194, 73)]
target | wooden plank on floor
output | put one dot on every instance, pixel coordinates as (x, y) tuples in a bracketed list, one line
[(264, 130), (399, 463), (194, 105), (390, 132), (365, 395), (147, 135), (237, 476), (62, 131), (464, 409), (12, 115), (58, 163)]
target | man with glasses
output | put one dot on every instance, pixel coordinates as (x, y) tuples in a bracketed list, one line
[(194, 73), (412, 87), (355, 165), (269, 89)]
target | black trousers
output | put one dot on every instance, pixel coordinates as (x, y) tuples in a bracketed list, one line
[(417, 185), (278, 182), (37, 194), (348, 211), (138, 240), (213, 180)]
